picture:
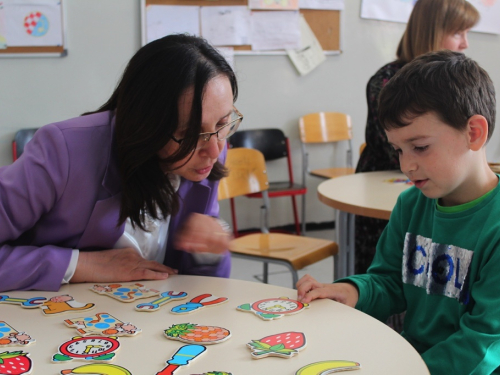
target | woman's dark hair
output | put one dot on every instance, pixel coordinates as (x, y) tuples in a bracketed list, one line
[(146, 107)]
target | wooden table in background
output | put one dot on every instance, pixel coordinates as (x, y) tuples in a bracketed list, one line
[(368, 194), (333, 331)]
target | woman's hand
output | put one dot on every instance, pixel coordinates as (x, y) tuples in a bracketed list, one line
[(308, 289), (117, 265), (202, 234)]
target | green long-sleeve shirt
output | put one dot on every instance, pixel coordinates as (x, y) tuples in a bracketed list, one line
[(444, 270)]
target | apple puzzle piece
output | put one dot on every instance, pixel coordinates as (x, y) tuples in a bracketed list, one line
[(125, 292)]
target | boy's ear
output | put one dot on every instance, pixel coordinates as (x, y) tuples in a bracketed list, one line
[(477, 132)]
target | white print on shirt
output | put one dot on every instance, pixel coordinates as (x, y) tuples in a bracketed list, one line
[(439, 269)]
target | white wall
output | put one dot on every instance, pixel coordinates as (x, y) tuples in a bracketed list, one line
[(102, 35)]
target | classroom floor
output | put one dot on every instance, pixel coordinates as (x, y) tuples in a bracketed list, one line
[(243, 269)]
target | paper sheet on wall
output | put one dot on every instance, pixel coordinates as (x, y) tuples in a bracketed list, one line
[(275, 30), (170, 19), (3, 41), (33, 23), (400, 10), (228, 53), (310, 54), (490, 16), (274, 4), (322, 4), (226, 25)]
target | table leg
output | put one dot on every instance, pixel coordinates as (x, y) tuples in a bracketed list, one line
[(344, 261)]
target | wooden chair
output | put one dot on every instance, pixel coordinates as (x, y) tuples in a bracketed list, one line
[(248, 175), (274, 145), (324, 127), (21, 137)]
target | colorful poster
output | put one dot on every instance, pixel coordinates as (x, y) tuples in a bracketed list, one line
[(33, 23)]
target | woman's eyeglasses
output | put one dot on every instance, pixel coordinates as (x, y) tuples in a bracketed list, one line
[(222, 134)]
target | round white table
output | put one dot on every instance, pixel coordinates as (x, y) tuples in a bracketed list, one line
[(333, 331), (372, 194)]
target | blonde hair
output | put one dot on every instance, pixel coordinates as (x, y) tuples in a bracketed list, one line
[(432, 20)]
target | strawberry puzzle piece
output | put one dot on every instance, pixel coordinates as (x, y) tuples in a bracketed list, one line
[(15, 363), (285, 345)]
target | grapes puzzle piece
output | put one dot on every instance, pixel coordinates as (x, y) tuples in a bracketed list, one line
[(193, 333), (102, 324), (165, 297), (198, 302), (182, 357), (88, 348), (285, 345), (12, 337), (125, 292), (274, 308)]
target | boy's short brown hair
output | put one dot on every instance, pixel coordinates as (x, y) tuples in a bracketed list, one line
[(446, 83)]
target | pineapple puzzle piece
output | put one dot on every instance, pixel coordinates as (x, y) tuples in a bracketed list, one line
[(102, 324), (193, 333), (125, 292), (328, 367), (12, 337), (274, 308), (63, 304), (88, 348), (284, 345), (165, 297), (97, 368), (197, 303)]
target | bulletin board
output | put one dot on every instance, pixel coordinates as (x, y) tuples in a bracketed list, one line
[(39, 50), (324, 23)]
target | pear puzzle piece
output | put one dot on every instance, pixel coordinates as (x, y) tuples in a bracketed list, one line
[(182, 358), (165, 297), (199, 302), (102, 324), (12, 337), (88, 348), (64, 304), (193, 333), (125, 292), (18, 363), (97, 368), (284, 345), (274, 308), (328, 367)]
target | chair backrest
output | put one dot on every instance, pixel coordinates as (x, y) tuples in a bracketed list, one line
[(271, 142), (21, 138), (324, 127), (247, 173)]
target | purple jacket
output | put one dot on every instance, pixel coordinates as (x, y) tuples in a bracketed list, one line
[(63, 193)]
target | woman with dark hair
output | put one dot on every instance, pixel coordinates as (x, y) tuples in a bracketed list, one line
[(433, 25), (128, 192)]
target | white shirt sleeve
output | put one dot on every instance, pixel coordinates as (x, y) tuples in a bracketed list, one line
[(70, 271)]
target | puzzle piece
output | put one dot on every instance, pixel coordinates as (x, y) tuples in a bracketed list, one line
[(274, 308), (193, 333), (182, 358), (328, 367), (28, 303), (18, 363), (12, 337), (62, 304), (125, 292), (165, 297), (102, 324), (88, 348), (284, 345), (201, 301), (98, 368)]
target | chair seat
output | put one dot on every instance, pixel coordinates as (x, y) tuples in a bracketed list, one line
[(332, 172), (298, 251)]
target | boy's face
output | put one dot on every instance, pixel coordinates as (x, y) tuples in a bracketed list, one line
[(435, 157)]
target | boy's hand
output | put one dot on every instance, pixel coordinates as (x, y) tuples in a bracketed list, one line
[(308, 289), (117, 265)]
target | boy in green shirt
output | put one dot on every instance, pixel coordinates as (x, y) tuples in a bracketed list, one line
[(439, 257)]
